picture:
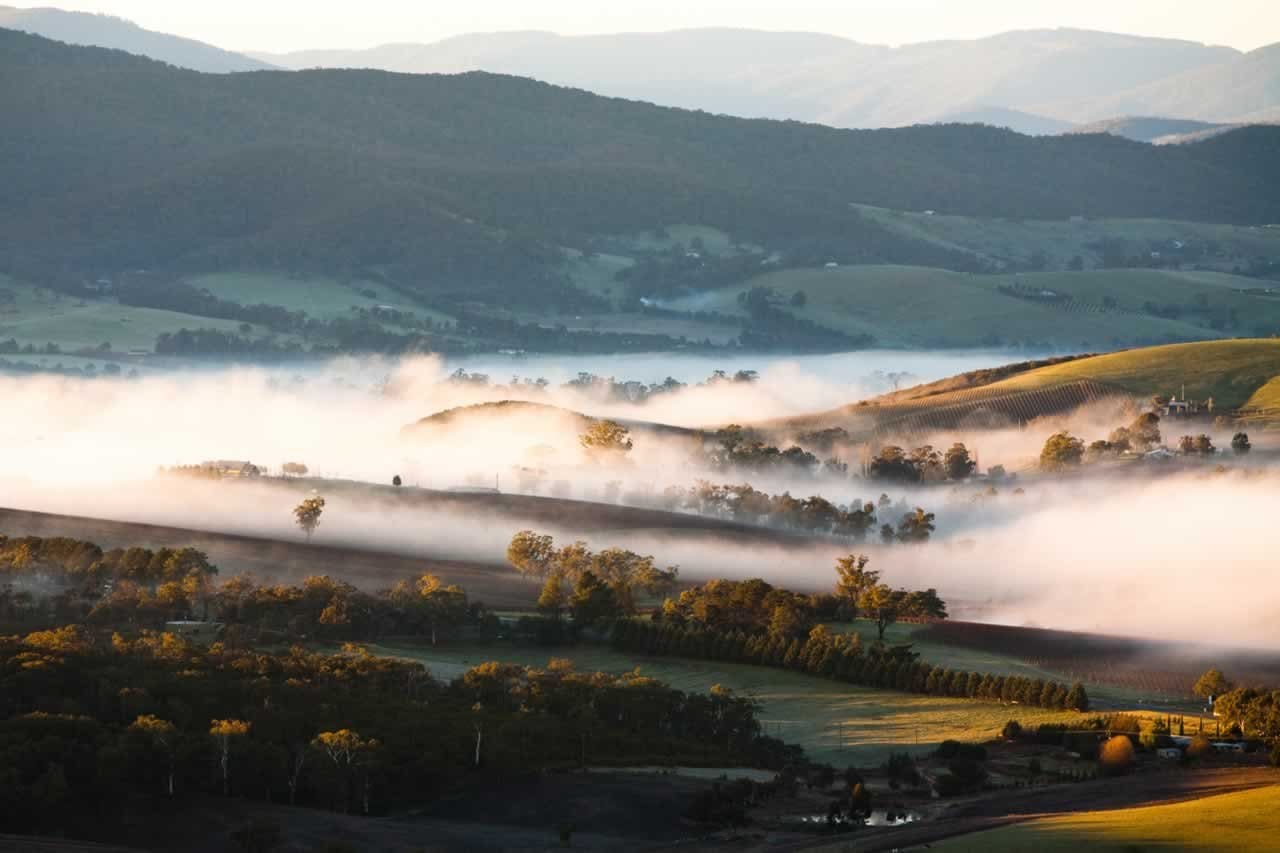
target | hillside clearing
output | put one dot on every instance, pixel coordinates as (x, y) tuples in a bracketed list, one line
[(1244, 821), (321, 298), (39, 316), (1006, 241), (1099, 309)]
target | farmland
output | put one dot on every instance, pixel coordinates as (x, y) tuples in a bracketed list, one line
[(815, 713), (1144, 668), (1245, 821), (321, 298), (1236, 374), (1016, 242), (1089, 310), (39, 316)]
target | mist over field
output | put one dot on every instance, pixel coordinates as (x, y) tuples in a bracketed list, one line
[(1148, 556), (343, 418)]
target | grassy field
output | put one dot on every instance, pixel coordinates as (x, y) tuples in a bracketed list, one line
[(322, 298), (924, 307), (38, 316), (1230, 372), (834, 722), (1236, 374), (1247, 821), (1015, 241), (1265, 402), (1103, 696)]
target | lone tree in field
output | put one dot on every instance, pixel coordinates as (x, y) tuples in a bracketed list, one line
[(396, 481), (224, 732), (1240, 444), (1212, 683), (307, 514), (1061, 451), (880, 602), (606, 439), (958, 463)]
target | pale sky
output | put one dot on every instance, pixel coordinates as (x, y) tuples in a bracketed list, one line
[(282, 25)]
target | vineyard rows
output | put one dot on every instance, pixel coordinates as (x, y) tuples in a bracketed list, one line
[(1017, 407)]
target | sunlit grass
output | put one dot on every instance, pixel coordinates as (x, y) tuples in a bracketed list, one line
[(1244, 821)]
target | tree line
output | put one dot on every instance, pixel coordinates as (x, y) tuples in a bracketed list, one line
[(814, 514), (137, 588), (842, 658)]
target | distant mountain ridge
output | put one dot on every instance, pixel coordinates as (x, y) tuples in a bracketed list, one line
[(1036, 82), (82, 28), (1032, 81)]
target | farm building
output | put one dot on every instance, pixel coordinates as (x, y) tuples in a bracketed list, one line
[(194, 630), (232, 468)]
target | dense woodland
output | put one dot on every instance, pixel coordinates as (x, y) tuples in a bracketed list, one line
[(91, 728), (465, 187)]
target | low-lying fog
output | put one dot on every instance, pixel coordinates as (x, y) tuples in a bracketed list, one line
[(1188, 556)]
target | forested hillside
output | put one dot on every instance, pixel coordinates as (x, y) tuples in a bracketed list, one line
[(472, 183)]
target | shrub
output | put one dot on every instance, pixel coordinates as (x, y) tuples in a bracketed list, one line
[(1116, 756), (1012, 730), (1200, 747)]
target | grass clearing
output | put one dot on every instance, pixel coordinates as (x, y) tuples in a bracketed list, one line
[(39, 316), (1016, 241), (834, 722), (925, 307), (1244, 821), (321, 298), (961, 659)]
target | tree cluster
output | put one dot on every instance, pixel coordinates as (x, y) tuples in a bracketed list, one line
[(595, 586), (95, 732), (923, 464), (814, 514)]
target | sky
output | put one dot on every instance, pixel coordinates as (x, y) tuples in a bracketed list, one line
[(284, 25)]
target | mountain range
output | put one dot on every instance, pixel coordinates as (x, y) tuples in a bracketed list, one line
[(474, 183), (83, 28), (1035, 81)]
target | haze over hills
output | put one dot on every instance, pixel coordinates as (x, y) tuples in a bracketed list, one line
[(1036, 81), (108, 31)]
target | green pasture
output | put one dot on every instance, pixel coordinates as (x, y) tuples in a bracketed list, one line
[(925, 307), (1017, 240), (834, 722), (320, 297), (38, 316), (1240, 822)]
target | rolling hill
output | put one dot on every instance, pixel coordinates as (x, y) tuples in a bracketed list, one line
[(1239, 375), (472, 184), (1032, 81), (106, 31), (1078, 311)]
